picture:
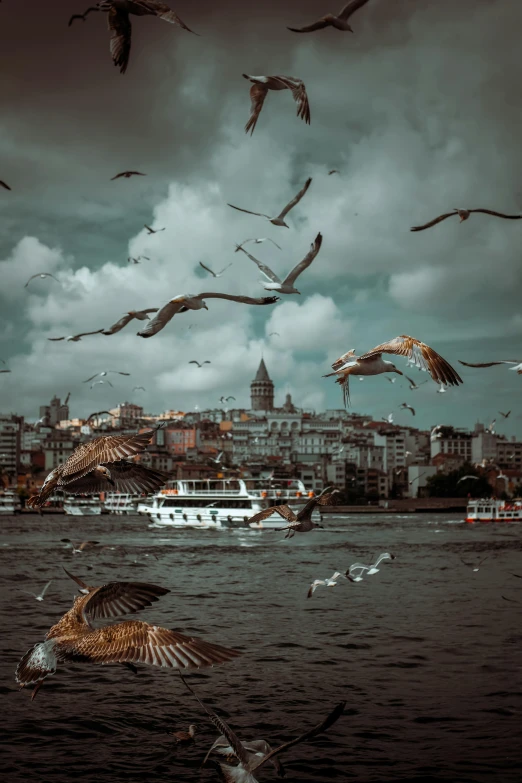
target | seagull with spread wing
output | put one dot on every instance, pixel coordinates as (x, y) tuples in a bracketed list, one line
[(463, 215), (214, 274), (255, 241), (141, 315), (39, 596), (517, 365), (333, 171), (153, 230), (340, 22), (505, 415), (184, 302), (128, 174), (300, 522), (330, 581), (259, 91), (42, 276), (74, 639), (96, 383), (413, 384), (372, 363), (120, 25), (74, 338), (278, 220), (103, 374), (406, 407), (287, 286), (96, 414), (200, 364), (139, 388), (250, 759)]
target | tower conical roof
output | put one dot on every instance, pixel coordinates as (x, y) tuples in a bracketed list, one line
[(262, 373)]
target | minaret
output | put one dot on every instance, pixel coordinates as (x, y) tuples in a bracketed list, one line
[(262, 390)]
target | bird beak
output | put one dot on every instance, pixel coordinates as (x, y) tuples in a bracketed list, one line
[(399, 372), (206, 307)]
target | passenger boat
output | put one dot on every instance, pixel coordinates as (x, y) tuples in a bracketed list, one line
[(82, 505), (121, 502), (10, 502), (494, 510), (220, 503)]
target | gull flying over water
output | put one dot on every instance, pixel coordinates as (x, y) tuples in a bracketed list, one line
[(153, 230), (278, 220), (128, 174), (103, 374), (406, 407), (255, 241), (333, 171), (474, 566), (120, 25), (252, 758), (340, 22), (372, 363), (259, 91), (200, 364), (214, 274), (286, 286), (77, 549), (73, 638), (39, 596), (74, 338), (330, 581), (302, 521), (184, 302), (4, 185), (463, 215), (354, 573), (137, 260), (517, 365), (141, 315), (42, 276)]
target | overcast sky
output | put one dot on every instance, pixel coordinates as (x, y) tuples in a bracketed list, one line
[(420, 112)]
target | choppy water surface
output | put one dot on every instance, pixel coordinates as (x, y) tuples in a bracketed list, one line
[(426, 653)]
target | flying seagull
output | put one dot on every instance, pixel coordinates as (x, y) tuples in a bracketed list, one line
[(354, 573), (217, 459), (96, 414), (505, 415), (5, 370), (278, 220), (39, 596), (74, 338), (4, 185), (388, 419), (98, 382), (141, 315), (474, 566), (226, 399), (137, 260), (272, 333), (103, 374), (333, 171), (259, 90), (330, 581), (153, 230), (139, 388), (255, 241), (128, 174), (466, 478), (184, 302), (517, 365), (120, 26), (340, 22), (300, 522), (463, 215), (214, 274), (413, 384), (372, 363), (407, 407), (286, 286), (41, 275), (200, 365), (73, 638), (250, 761)]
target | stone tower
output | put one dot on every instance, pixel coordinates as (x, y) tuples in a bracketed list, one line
[(262, 390)]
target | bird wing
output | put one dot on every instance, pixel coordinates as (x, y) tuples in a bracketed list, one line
[(487, 364), (208, 269), (497, 214), (307, 260), (224, 269), (120, 44), (133, 641), (329, 721), (118, 372), (319, 25), (296, 199), (118, 598), (421, 354), (99, 413), (142, 315), (248, 211), (342, 359), (127, 477), (85, 334), (283, 511), (124, 320), (434, 222), (258, 93), (91, 378), (31, 278), (298, 90), (195, 362), (350, 8), (108, 448), (55, 339), (46, 588), (162, 11), (263, 300), (4, 184), (162, 317), (264, 269)]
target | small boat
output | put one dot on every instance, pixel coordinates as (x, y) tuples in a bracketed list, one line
[(121, 502), (82, 505), (10, 502), (489, 510)]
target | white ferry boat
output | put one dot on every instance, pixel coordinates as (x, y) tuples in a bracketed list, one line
[(82, 505), (121, 502), (490, 510), (10, 502), (220, 503)]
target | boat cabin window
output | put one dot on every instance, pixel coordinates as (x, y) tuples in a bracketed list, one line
[(184, 502)]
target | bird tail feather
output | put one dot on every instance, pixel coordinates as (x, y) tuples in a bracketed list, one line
[(38, 663), (236, 774)]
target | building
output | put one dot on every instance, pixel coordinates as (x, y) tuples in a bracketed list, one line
[(10, 444), (54, 412), (452, 441), (262, 390)]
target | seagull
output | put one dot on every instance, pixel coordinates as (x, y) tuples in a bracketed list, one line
[(406, 407), (185, 736), (251, 760), (141, 315), (5, 370), (474, 566), (200, 365), (128, 174), (152, 230), (340, 22), (491, 428), (417, 478), (300, 522), (391, 380), (4, 185), (39, 596), (388, 419), (139, 388), (286, 286), (96, 383), (41, 275), (505, 415), (98, 413), (120, 25), (259, 90), (138, 259), (517, 365), (73, 638), (91, 457), (214, 274), (330, 581), (373, 568), (217, 459), (333, 171), (271, 334), (372, 363), (103, 374), (184, 302), (463, 215), (79, 548), (414, 385), (278, 220), (74, 338), (226, 399), (255, 241)]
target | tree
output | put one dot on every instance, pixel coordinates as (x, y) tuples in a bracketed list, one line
[(447, 485)]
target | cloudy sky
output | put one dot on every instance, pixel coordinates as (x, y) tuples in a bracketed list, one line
[(419, 111)]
